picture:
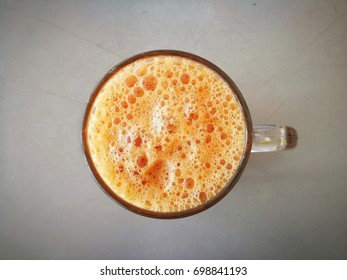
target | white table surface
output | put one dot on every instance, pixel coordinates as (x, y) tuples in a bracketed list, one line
[(289, 58)]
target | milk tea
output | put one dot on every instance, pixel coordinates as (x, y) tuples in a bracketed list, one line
[(166, 133)]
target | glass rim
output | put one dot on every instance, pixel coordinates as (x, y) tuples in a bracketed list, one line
[(177, 214)]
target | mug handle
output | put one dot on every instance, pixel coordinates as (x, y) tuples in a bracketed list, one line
[(272, 138)]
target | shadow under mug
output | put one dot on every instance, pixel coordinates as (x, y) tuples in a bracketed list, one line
[(259, 138)]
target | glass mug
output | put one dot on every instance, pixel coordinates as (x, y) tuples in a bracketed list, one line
[(108, 126)]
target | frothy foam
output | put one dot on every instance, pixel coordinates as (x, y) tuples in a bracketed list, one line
[(166, 133)]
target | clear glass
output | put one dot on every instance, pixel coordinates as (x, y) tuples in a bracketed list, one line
[(260, 138), (272, 138)]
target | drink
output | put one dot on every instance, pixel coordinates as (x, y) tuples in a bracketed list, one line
[(165, 133)]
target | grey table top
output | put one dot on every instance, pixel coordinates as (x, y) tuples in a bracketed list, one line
[(289, 58)]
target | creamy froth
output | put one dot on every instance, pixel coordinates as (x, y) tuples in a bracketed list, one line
[(166, 133)]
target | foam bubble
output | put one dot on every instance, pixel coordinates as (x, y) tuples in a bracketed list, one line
[(131, 80), (131, 99), (149, 82)]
